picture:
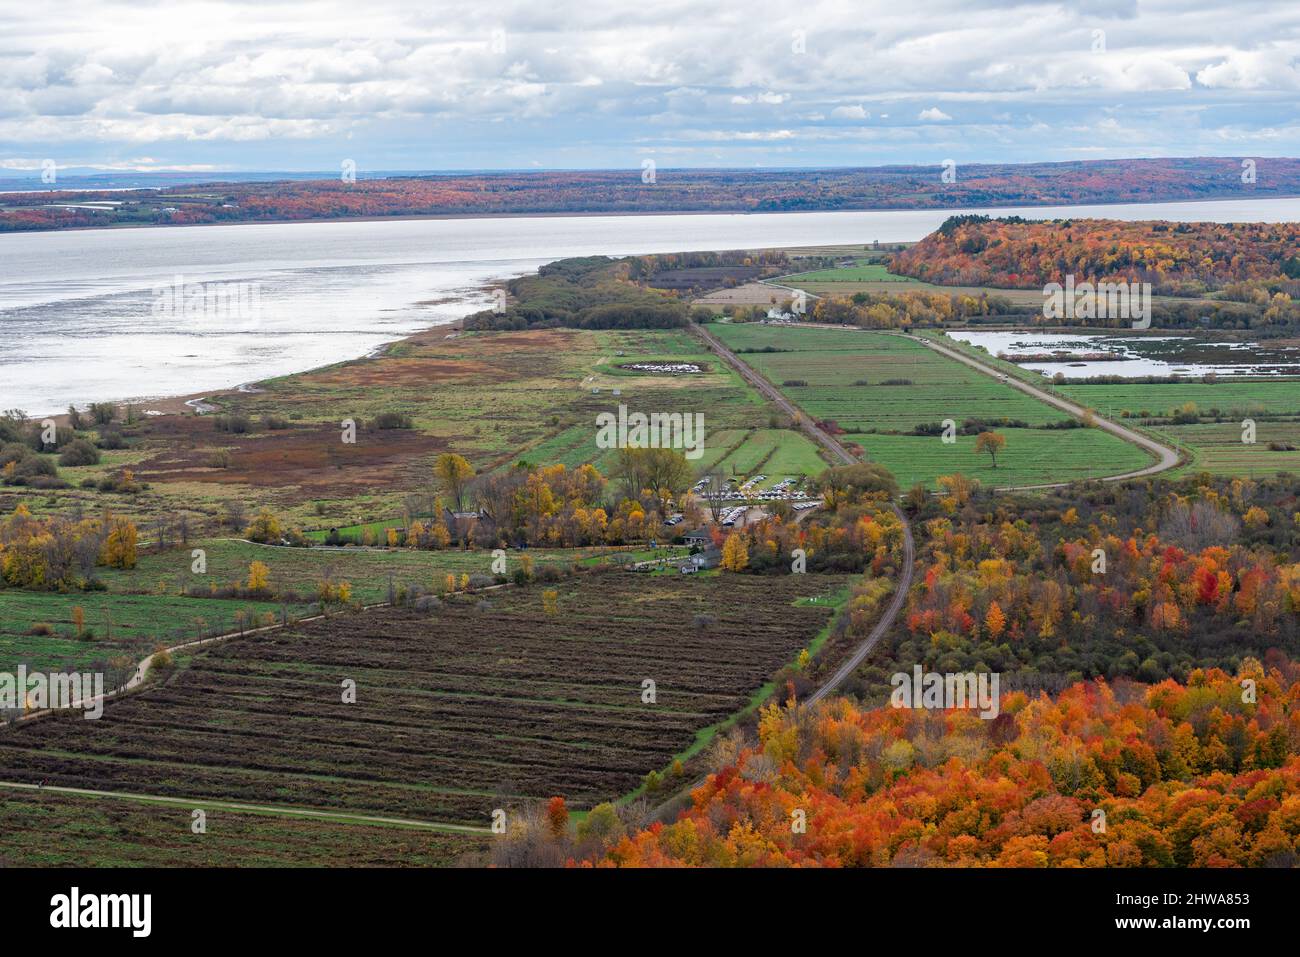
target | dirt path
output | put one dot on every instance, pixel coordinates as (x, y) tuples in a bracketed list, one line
[(146, 664), (827, 441)]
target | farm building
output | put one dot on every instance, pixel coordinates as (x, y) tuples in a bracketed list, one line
[(701, 537), (709, 558)]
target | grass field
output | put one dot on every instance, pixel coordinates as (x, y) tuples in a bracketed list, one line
[(1226, 397), (877, 416), (117, 625), (484, 703), (1214, 446), (878, 280), (47, 829), (300, 570), (778, 453), (1032, 457), (862, 272)]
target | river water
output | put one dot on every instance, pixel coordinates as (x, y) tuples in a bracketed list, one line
[(89, 315)]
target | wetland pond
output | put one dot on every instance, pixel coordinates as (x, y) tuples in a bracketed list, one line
[(1080, 355)]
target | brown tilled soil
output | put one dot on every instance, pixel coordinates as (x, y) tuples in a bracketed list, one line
[(304, 456)]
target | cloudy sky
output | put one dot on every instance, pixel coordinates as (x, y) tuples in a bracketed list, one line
[(261, 85)]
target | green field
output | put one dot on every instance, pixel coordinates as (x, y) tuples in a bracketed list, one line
[(864, 271), (1213, 446), (1216, 447), (1032, 457), (301, 569), (778, 453), (116, 624), (876, 279), (49, 829), (1227, 397), (832, 362), (878, 416)]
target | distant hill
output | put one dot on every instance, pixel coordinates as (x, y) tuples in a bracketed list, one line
[(623, 191)]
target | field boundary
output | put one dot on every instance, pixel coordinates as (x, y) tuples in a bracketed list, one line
[(263, 809)]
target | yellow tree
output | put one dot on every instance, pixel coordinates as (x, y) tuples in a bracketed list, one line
[(995, 622), (415, 534), (439, 535), (259, 577), (735, 554), (453, 473), (119, 547), (992, 443), (265, 527)]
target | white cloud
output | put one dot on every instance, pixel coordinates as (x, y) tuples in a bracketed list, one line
[(580, 81), (769, 98), (1252, 70)]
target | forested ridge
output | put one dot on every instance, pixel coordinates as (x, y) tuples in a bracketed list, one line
[(1176, 258), (672, 190)]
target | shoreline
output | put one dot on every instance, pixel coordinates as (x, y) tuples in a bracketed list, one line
[(199, 403)]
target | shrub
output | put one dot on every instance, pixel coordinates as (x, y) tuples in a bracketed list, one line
[(393, 420), (235, 424), (111, 439), (19, 465), (79, 452)]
